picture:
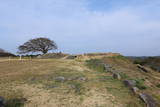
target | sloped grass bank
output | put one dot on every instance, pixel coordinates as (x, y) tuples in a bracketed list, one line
[(114, 86)]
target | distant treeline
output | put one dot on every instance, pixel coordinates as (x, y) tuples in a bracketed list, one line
[(4, 53)]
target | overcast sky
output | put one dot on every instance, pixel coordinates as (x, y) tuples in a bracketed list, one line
[(129, 27)]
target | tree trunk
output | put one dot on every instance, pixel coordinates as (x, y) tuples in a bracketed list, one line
[(45, 51)]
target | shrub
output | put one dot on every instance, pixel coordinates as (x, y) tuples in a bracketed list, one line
[(158, 85), (139, 61)]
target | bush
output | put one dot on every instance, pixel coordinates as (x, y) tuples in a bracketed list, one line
[(158, 85), (139, 61)]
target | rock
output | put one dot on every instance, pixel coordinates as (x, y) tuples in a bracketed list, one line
[(82, 79), (60, 79), (130, 83), (72, 86), (149, 100), (116, 76), (142, 68), (2, 102), (107, 67), (135, 90), (72, 57), (115, 71)]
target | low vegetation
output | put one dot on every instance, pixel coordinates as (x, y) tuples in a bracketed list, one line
[(152, 62), (73, 83), (95, 64)]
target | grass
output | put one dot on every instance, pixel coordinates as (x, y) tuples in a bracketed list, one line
[(95, 64), (34, 80), (140, 84), (118, 89), (16, 102), (78, 87), (119, 57), (124, 75), (14, 98)]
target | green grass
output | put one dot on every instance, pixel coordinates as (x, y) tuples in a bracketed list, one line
[(95, 64), (124, 75), (16, 102), (140, 84), (119, 57), (42, 73), (120, 91), (77, 87)]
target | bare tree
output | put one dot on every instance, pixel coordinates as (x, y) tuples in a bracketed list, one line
[(37, 45)]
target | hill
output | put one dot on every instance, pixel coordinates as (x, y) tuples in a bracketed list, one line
[(79, 82), (5, 54)]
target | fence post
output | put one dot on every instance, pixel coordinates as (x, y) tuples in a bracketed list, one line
[(9, 59), (20, 58)]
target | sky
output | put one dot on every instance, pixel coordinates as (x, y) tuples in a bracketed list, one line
[(129, 27)]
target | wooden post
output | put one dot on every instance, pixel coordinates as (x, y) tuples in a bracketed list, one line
[(20, 58), (9, 59)]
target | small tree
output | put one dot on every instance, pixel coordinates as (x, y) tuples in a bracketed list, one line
[(37, 45)]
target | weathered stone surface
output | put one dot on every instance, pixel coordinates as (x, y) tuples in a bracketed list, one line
[(130, 83), (116, 76), (82, 79), (2, 102), (135, 90), (115, 71), (142, 68), (149, 100), (71, 57), (61, 79), (107, 67), (72, 86)]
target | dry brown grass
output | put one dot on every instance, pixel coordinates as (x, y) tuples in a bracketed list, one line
[(34, 81), (96, 56)]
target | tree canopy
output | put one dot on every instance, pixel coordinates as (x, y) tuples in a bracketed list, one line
[(37, 45)]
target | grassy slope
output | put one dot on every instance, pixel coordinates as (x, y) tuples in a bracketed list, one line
[(148, 81), (32, 83)]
